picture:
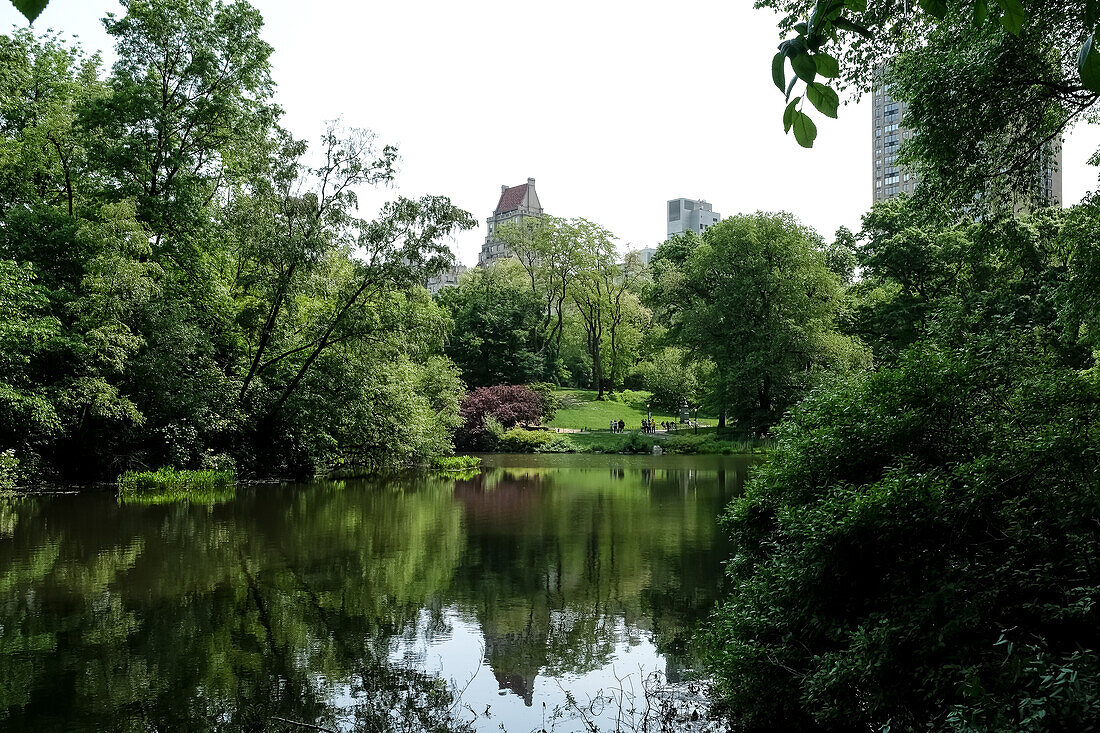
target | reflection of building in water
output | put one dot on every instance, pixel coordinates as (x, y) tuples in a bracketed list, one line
[(562, 570), (516, 659)]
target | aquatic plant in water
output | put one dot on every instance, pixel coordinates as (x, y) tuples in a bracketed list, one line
[(167, 485), (456, 463)]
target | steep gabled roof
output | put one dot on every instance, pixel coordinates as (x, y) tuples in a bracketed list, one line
[(511, 198)]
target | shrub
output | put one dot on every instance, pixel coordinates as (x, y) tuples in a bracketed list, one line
[(922, 553), (689, 444), (518, 440), (218, 462), (507, 405), (9, 470)]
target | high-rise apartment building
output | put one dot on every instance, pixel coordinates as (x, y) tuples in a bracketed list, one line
[(888, 179), (516, 203), (690, 215)]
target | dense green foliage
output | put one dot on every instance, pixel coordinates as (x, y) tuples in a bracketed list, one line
[(182, 283), (921, 552), (564, 309), (169, 479), (755, 301), (671, 377), (495, 333)]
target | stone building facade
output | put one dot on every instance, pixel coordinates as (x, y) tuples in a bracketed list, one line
[(515, 204)]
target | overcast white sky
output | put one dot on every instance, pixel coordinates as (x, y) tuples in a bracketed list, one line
[(613, 107)]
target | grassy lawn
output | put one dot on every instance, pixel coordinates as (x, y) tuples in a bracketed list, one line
[(581, 410)]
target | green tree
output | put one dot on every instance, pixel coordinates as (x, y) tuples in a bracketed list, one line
[(545, 248), (670, 376), (927, 274), (183, 285), (756, 298), (496, 332)]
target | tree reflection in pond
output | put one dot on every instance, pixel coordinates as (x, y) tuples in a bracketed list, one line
[(297, 602)]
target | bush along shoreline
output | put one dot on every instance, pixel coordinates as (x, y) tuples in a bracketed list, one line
[(521, 440)]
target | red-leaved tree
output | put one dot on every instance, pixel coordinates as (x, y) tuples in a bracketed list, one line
[(509, 405)]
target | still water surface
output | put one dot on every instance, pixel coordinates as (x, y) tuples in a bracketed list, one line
[(537, 575)]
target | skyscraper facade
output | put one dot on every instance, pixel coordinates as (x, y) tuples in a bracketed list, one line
[(888, 179), (690, 215)]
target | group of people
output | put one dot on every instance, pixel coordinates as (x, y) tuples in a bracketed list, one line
[(648, 426)]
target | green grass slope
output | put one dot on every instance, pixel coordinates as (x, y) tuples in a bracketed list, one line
[(581, 410)]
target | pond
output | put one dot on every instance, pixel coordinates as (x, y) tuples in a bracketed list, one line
[(538, 581)]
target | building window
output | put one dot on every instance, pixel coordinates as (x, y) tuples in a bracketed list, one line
[(878, 132)]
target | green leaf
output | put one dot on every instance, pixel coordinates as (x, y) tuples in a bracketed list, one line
[(937, 8), (1014, 15), (857, 6), (1088, 64), (847, 25), (824, 98), (788, 114), (794, 80), (981, 11), (779, 74), (805, 131), (800, 28), (30, 8), (827, 66), (804, 66), (1092, 12)]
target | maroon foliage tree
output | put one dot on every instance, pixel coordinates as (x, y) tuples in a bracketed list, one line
[(509, 405)]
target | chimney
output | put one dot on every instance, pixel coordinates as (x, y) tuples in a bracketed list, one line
[(503, 187), (530, 182)]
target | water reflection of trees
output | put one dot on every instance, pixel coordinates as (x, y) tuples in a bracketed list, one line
[(286, 602)]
